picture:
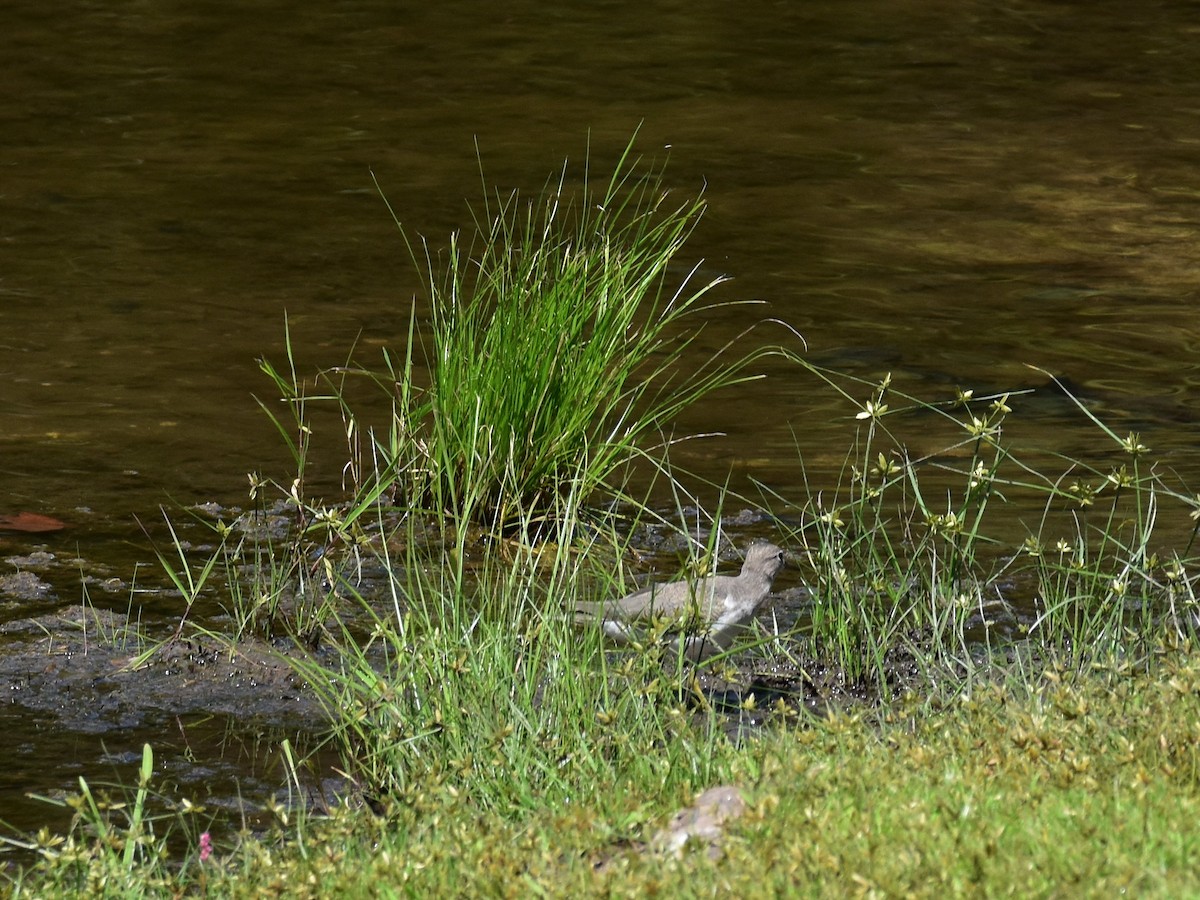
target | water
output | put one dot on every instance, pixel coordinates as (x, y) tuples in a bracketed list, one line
[(947, 191)]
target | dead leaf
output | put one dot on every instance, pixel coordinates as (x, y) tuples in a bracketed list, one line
[(30, 522)]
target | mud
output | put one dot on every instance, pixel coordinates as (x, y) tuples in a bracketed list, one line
[(94, 673)]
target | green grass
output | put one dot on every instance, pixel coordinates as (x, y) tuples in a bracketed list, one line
[(560, 348), (923, 552), (1060, 783)]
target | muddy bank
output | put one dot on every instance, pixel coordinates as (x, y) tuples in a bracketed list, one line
[(85, 666)]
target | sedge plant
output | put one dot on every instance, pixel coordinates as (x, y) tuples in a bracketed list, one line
[(914, 553), (1105, 578), (558, 335)]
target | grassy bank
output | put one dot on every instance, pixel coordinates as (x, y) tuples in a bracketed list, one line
[(1083, 784)]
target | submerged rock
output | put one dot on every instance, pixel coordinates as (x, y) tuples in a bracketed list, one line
[(25, 586)]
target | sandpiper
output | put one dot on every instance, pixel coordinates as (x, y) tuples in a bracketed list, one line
[(712, 610)]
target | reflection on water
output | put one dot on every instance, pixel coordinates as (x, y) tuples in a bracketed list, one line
[(947, 191)]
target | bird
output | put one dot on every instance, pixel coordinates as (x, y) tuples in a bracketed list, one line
[(712, 610)]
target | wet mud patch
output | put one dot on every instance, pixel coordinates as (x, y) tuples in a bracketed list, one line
[(25, 583), (25, 586), (83, 665), (40, 575), (759, 692), (81, 702)]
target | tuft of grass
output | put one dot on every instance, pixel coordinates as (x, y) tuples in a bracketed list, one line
[(474, 680), (561, 348), (113, 847)]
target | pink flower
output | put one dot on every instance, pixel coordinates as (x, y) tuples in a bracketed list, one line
[(206, 847)]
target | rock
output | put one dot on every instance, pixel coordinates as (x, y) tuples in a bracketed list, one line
[(703, 822)]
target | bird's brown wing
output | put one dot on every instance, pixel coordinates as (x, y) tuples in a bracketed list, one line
[(660, 601)]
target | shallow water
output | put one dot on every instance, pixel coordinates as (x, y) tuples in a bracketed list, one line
[(950, 192)]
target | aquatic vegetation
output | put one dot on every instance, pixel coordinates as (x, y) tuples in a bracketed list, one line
[(561, 349), (464, 664), (919, 550)]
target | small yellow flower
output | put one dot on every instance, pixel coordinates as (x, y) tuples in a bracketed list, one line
[(885, 467), (1133, 445)]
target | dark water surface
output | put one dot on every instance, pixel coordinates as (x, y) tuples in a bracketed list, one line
[(949, 191)]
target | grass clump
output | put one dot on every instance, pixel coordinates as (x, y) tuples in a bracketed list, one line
[(479, 684), (560, 347)]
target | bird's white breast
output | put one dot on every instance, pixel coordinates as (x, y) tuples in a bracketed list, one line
[(731, 613)]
